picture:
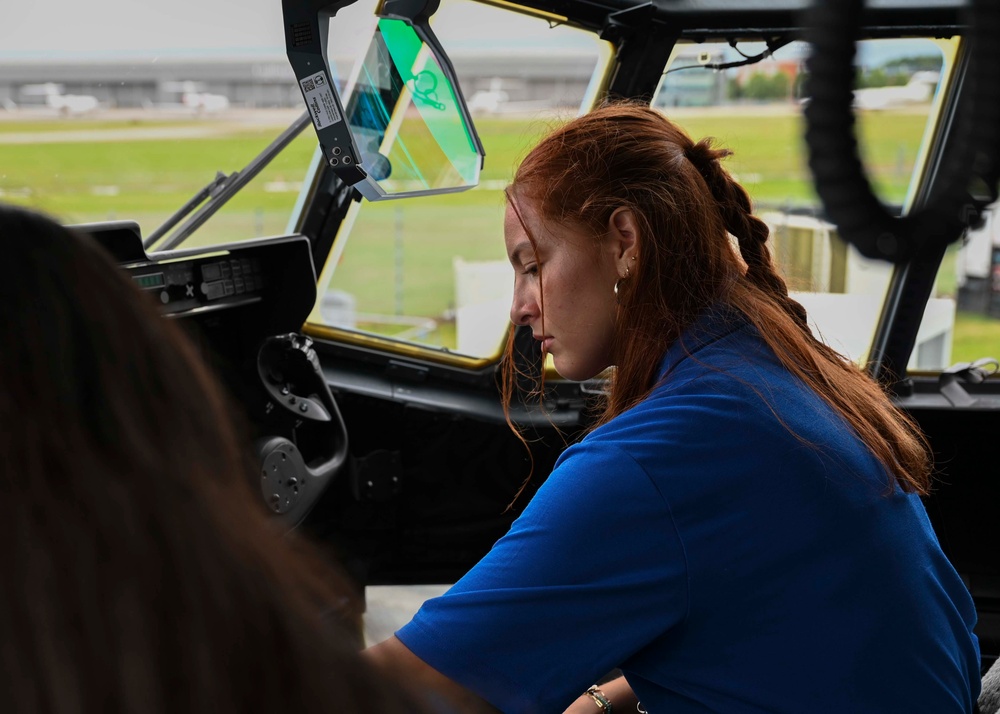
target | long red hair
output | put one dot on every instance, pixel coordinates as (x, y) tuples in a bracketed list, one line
[(688, 209)]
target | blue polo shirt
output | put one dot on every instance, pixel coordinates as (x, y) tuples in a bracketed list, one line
[(729, 545)]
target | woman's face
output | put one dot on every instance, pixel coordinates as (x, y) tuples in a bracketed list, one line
[(578, 280)]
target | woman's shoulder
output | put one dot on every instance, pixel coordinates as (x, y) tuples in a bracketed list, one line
[(720, 385)]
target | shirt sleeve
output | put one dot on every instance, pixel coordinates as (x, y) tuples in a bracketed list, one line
[(590, 572)]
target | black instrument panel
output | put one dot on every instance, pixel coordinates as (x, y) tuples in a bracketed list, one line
[(276, 275), (243, 304), (210, 282)]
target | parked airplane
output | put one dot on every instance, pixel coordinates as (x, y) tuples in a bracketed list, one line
[(919, 90), (194, 97), (52, 96)]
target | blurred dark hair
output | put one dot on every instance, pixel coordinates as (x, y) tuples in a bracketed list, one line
[(140, 572)]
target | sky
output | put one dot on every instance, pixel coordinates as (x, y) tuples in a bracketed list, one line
[(69, 27), (60, 28)]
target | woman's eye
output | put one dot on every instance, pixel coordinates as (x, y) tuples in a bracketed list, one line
[(531, 269)]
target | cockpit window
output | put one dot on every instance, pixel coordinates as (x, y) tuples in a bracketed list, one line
[(751, 99), (127, 111), (431, 273)]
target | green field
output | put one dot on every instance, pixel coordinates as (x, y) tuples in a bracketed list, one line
[(120, 176), (145, 169), (110, 173)]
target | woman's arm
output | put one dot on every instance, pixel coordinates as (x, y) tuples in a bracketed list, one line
[(617, 692), (443, 693)]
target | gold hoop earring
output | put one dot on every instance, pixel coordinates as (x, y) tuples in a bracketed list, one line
[(628, 272)]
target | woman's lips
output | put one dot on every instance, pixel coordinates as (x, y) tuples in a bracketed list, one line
[(546, 343)]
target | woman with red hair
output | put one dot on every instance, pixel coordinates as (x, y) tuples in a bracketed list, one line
[(742, 528)]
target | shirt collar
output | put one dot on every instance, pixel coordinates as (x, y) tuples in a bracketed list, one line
[(714, 323)]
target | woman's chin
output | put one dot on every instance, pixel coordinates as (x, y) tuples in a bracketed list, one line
[(574, 372)]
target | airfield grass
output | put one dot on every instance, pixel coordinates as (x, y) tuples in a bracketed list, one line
[(91, 170), (91, 179), (123, 177)]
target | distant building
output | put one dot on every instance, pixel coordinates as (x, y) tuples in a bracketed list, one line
[(250, 82), (690, 83), (554, 79)]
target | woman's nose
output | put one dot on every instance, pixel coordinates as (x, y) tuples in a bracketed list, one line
[(522, 308)]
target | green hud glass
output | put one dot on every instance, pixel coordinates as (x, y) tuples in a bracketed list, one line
[(406, 130)]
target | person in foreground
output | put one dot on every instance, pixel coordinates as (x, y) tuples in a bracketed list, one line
[(139, 571), (742, 530)]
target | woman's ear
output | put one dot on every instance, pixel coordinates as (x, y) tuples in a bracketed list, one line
[(623, 234)]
